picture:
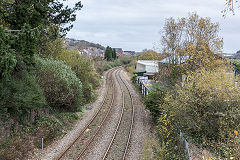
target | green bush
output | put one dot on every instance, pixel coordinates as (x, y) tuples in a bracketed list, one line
[(62, 88), (133, 79), (155, 100), (126, 60), (107, 67), (8, 59), (20, 94), (159, 104), (237, 64), (207, 109), (84, 70), (170, 145)]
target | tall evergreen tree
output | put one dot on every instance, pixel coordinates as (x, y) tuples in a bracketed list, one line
[(114, 54), (110, 53), (107, 53)]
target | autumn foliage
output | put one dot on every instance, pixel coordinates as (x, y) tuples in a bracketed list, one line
[(206, 105)]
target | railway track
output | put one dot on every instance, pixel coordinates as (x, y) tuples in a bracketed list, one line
[(120, 141), (93, 122)]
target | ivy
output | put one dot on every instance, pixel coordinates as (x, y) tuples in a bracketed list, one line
[(17, 50), (8, 59)]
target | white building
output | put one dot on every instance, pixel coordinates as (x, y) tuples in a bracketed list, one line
[(147, 66)]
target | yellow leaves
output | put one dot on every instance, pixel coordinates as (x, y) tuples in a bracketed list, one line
[(149, 55), (235, 132)]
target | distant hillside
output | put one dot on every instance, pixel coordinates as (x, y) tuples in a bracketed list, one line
[(80, 44)]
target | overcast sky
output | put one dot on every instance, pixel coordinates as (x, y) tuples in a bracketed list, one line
[(135, 24)]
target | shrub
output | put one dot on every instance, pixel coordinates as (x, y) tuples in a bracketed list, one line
[(62, 88), (20, 94), (81, 65), (100, 65), (170, 145), (155, 100), (84, 70), (8, 59), (131, 66), (207, 108), (125, 60)]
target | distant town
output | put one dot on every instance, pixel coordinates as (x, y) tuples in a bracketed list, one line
[(92, 49)]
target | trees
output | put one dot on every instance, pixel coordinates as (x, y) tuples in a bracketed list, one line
[(230, 6), (114, 54), (206, 106), (149, 55), (107, 53), (110, 54), (35, 23), (194, 37), (207, 109), (172, 37), (35, 13), (17, 51)]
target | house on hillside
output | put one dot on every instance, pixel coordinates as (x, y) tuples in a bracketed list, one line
[(129, 53), (119, 51), (91, 51)]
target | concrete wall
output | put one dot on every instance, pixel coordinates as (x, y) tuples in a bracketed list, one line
[(140, 67), (153, 69)]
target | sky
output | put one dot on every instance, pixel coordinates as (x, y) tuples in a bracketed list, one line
[(135, 24)]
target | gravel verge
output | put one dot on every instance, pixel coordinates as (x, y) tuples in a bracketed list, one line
[(97, 149), (142, 123), (141, 127), (119, 143), (53, 150)]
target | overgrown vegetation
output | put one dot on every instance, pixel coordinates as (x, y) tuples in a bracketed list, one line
[(43, 86), (20, 94), (61, 87), (103, 65), (205, 106)]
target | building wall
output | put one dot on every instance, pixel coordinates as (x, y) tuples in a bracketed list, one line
[(153, 69), (140, 67)]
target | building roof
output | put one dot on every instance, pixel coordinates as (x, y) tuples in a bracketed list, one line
[(150, 66), (118, 49), (175, 59), (148, 62)]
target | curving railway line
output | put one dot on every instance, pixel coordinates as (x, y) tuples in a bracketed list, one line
[(70, 151), (119, 143)]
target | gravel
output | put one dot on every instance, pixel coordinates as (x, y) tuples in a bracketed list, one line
[(119, 144), (53, 150), (97, 149), (142, 123)]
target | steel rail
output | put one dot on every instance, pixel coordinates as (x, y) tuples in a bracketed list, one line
[(88, 124), (132, 120), (99, 128), (119, 122), (120, 119)]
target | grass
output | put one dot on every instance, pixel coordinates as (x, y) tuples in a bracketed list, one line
[(50, 127), (150, 145)]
